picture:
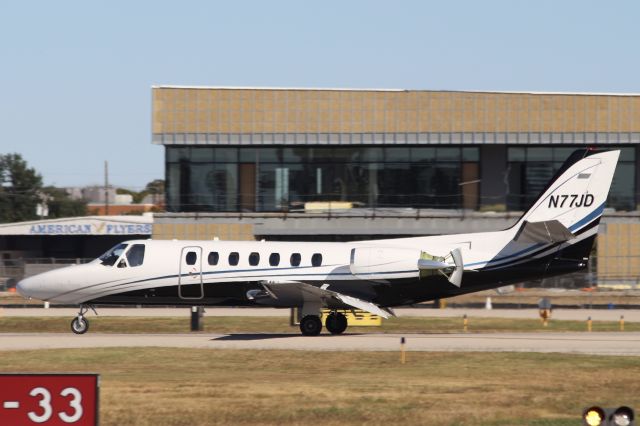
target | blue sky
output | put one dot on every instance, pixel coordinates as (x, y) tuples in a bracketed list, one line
[(76, 76)]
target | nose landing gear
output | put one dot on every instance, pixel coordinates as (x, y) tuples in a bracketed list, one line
[(80, 325)]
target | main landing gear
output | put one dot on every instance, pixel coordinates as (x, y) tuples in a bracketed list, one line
[(80, 325), (311, 325), (336, 323)]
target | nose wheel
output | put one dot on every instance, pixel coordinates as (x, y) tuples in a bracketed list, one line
[(80, 325)]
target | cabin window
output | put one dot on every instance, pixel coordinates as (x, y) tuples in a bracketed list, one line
[(254, 259), (135, 255), (110, 257), (191, 258), (213, 258), (274, 259), (234, 258), (295, 259), (316, 259)]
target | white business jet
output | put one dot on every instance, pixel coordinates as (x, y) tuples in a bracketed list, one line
[(553, 237)]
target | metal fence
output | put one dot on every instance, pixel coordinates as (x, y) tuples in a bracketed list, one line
[(371, 201), (13, 270)]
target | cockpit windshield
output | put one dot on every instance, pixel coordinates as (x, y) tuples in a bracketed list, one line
[(110, 257), (135, 255)]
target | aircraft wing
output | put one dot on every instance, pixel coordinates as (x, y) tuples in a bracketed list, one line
[(323, 294), (548, 231)]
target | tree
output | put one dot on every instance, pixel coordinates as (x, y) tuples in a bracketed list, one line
[(135, 196), (20, 188), (154, 188), (60, 204)]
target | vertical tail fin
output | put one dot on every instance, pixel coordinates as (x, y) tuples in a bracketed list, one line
[(576, 195)]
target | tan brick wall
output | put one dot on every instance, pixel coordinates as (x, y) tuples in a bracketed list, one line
[(211, 110), (203, 231), (619, 251)]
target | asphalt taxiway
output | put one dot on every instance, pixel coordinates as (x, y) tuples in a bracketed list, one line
[(609, 343), (600, 343)]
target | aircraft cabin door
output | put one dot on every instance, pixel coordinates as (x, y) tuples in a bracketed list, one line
[(190, 276)]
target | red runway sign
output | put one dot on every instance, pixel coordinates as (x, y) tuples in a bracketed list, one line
[(49, 399)]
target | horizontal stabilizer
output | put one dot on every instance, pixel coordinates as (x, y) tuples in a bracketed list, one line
[(548, 231)]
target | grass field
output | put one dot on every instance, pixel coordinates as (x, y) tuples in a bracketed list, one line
[(161, 386), (281, 325)]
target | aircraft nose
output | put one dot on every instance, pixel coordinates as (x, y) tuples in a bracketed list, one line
[(49, 285), (25, 287), (34, 287)]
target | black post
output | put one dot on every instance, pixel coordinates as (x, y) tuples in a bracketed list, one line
[(197, 313)]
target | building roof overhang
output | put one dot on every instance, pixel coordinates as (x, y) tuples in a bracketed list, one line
[(86, 225)]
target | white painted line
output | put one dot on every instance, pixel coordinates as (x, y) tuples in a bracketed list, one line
[(11, 404)]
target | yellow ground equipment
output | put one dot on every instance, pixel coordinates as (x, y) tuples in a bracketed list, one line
[(357, 318)]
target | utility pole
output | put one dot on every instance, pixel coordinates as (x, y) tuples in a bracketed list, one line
[(106, 188)]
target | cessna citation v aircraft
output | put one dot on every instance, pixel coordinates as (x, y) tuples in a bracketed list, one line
[(553, 237)]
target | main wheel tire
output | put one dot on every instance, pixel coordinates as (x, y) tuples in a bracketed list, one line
[(336, 323), (79, 325), (311, 325)]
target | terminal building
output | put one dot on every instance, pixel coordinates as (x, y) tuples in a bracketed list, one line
[(268, 150), (244, 163)]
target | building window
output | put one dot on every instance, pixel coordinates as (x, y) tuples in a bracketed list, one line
[(234, 258), (530, 169), (254, 259), (254, 178), (316, 259), (274, 259), (213, 258), (295, 259)]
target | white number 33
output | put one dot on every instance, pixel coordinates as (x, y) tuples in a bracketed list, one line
[(45, 403)]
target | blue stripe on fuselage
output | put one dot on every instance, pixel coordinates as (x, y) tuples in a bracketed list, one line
[(588, 218), (576, 226)]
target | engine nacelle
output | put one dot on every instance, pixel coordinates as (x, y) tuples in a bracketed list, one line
[(376, 261)]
